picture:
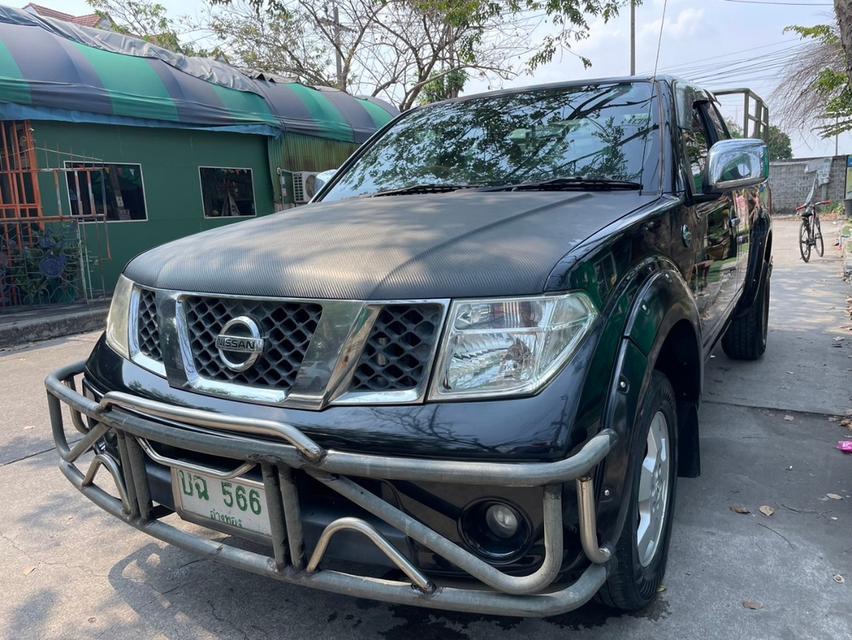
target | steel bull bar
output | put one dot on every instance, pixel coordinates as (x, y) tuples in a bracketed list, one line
[(130, 418)]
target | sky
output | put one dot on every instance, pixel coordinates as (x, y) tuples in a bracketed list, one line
[(700, 39)]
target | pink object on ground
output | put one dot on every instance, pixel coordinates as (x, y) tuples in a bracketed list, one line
[(845, 446)]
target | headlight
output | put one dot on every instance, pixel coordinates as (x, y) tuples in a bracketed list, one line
[(509, 346), (118, 319)]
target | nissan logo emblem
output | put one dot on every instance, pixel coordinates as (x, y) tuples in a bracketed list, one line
[(240, 343)]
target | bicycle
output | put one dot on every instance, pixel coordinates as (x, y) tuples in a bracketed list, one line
[(810, 231)]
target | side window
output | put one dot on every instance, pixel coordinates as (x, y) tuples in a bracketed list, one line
[(114, 191), (716, 122), (226, 192), (696, 145)]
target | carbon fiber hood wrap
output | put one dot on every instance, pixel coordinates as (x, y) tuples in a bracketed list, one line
[(456, 244)]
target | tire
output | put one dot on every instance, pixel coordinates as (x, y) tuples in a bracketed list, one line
[(745, 338), (818, 242), (804, 241), (639, 570)]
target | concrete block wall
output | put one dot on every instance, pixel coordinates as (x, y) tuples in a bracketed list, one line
[(791, 183)]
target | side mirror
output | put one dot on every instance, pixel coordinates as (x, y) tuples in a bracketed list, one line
[(323, 178), (734, 164)]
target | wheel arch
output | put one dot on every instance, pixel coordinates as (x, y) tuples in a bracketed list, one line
[(760, 263), (662, 333), (664, 325), (680, 360)]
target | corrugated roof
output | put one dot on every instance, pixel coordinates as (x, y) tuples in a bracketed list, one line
[(88, 20), (47, 71), (48, 12)]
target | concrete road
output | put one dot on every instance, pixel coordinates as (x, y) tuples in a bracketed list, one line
[(67, 570)]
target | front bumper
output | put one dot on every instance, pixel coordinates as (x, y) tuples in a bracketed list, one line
[(278, 448)]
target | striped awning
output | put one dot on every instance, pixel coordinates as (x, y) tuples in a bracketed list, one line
[(341, 116), (45, 73)]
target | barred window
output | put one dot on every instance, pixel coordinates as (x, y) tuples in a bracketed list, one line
[(108, 189)]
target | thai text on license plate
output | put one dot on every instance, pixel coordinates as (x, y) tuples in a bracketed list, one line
[(238, 503)]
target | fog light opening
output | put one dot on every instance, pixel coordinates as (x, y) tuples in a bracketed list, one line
[(502, 520), (495, 530)]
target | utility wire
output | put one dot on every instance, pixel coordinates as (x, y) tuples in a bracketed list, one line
[(783, 50), (742, 67), (660, 39), (788, 4), (721, 65), (790, 48), (690, 63), (740, 70)]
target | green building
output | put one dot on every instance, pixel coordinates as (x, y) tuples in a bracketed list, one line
[(111, 146)]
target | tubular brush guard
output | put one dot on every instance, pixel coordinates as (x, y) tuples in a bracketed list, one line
[(230, 437)]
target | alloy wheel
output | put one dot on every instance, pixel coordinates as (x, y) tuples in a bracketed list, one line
[(653, 495)]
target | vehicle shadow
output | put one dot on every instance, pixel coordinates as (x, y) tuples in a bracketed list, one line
[(196, 597), (31, 614), (808, 340)]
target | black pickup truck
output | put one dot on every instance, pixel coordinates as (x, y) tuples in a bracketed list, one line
[(465, 377)]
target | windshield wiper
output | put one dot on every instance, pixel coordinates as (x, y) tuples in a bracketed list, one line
[(428, 187), (570, 182)]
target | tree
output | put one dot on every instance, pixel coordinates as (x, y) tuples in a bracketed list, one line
[(777, 142), (149, 21), (444, 87), (275, 41), (419, 43), (397, 48), (815, 88), (843, 11)]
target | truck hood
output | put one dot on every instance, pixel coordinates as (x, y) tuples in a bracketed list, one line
[(458, 244)]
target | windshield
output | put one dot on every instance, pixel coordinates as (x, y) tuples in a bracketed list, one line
[(591, 132)]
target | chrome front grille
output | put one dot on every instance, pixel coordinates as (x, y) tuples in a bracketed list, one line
[(288, 328), (305, 354), (148, 326), (399, 349)]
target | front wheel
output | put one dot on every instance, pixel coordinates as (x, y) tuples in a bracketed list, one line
[(805, 240), (642, 550), (818, 243)]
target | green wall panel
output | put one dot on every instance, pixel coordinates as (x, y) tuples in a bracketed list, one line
[(170, 160), (297, 152), (306, 153)]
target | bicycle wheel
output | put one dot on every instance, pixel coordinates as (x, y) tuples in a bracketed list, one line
[(818, 243), (805, 240)]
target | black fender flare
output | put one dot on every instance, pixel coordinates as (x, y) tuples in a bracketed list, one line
[(662, 302), (759, 263)]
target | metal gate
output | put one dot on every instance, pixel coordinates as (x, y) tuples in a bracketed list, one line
[(44, 259)]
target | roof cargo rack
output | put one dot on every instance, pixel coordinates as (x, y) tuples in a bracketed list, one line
[(755, 121)]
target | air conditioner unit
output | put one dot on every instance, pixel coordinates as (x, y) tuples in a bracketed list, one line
[(304, 185)]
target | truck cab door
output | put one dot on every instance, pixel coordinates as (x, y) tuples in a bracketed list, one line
[(745, 201), (714, 278)]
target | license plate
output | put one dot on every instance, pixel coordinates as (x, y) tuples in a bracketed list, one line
[(237, 503)]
